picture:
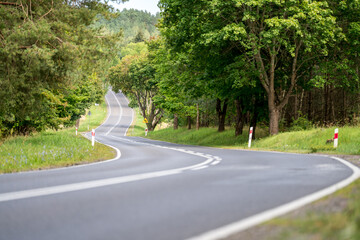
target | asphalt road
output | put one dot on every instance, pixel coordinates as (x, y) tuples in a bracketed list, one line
[(157, 190)]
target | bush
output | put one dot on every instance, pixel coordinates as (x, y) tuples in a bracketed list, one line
[(302, 123)]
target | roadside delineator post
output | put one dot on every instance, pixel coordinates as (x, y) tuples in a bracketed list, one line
[(336, 135), (93, 137), (146, 131), (76, 131), (250, 136)]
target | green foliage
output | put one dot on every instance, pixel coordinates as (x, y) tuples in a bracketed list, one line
[(131, 49), (132, 23), (270, 39), (301, 123), (50, 63), (134, 76), (51, 149)]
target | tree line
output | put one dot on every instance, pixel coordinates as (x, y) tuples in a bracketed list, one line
[(52, 62), (277, 63), (135, 25)]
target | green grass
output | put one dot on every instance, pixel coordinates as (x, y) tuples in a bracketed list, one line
[(98, 116), (138, 127), (313, 140), (306, 141), (318, 223), (54, 148), (309, 141)]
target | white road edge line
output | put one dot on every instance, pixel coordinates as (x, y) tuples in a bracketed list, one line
[(94, 184), (209, 157), (252, 221), (118, 155), (108, 113), (81, 186), (132, 116), (121, 110)]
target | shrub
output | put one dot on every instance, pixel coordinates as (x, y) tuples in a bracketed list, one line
[(302, 123)]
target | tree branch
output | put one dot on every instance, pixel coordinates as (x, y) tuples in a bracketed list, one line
[(11, 4), (52, 4), (293, 77)]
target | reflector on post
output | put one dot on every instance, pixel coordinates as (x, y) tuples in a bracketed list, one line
[(250, 136), (93, 137), (336, 135)]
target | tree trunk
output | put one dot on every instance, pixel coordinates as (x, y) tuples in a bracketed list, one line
[(77, 124), (253, 122), (239, 122), (149, 126), (197, 117), (221, 114), (189, 122), (176, 122), (326, 104), (309, 106), (344, 106), (274, 113), (296, 105), (274, 121)]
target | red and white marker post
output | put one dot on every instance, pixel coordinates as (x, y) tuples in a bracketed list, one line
[(93, 137), (250, 136), (336, 135), (146, 131), (76, 131)]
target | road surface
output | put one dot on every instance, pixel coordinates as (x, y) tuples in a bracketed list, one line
[(158, 190)]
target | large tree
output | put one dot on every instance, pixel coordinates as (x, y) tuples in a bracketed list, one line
[(49, 57), (134, 76), (275, 37)]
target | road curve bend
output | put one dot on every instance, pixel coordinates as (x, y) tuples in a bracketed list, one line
[(159, 190)]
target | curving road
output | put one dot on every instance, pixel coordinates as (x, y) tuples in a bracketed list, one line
[(158, 190)]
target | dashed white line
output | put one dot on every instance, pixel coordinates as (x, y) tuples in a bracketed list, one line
[(199, 168), (215, 162)]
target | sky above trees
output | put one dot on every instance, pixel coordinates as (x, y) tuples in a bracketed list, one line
[(148, 5)]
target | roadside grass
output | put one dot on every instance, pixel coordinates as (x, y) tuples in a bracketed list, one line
[(51, 148), (306, 141), (323, 219), (138, 127), (97, 116), (313, 141)]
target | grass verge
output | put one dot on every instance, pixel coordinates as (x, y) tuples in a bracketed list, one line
[(335, 217), (51, 149), (309, 141)]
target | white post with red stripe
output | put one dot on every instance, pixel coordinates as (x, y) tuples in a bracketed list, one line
[(76, 131), (250, 136), (93, 137), (336, 135), (146, 131)]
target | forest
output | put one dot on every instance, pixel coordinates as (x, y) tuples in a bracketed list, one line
[(135, 25), (282, 65), (55, 56)]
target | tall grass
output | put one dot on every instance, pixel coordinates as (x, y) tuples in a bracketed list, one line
[(305, 141), (54, 148), (314, 140)]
